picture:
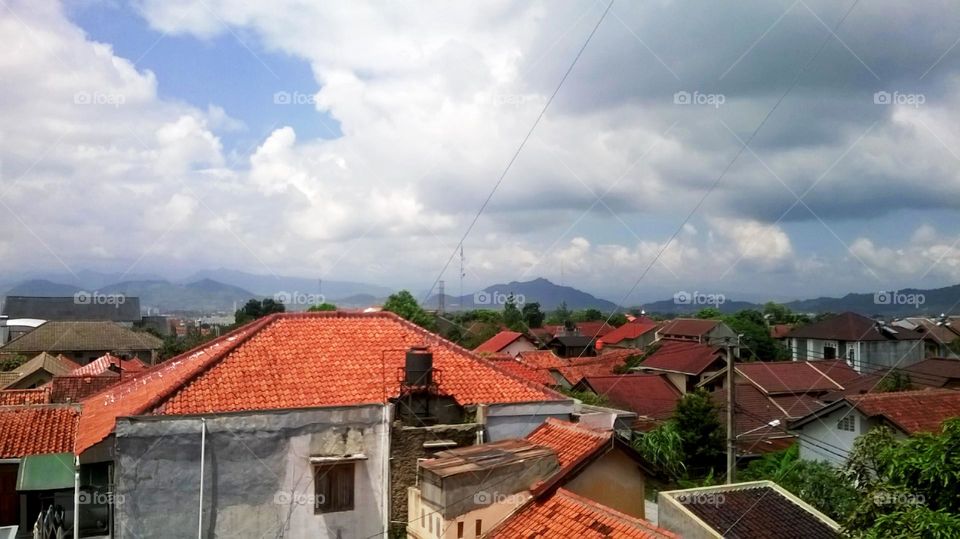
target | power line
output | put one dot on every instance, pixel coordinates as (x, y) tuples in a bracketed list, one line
[(520, 147)]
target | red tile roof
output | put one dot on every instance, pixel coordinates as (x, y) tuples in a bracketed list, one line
[(594, 330), (498, 342), (688, 327), (754, 413), (648, 395), (515, 367), (565, 514), (14, 397), (573, 443), (72, 388), (852, 327), (542, 359), (36, 430), (911, 411), (576, 369), (683, 357), (629, 331), (103, 363), (776, 377), (297, 360), (780, 331)]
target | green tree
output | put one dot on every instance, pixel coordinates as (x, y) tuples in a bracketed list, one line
[(512, 317), (588, 315), (10, 362), (320, 307), (617, 319), (702, 435), (910, 488), (709, 313), (561, 315), (533, 317), (255, 309), (895, 380), (756, 336), (663, 448), (405, 305)]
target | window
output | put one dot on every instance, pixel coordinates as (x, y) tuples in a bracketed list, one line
[(846, 423), (333, 487), (829, 352), (459, 530), (479, 527)]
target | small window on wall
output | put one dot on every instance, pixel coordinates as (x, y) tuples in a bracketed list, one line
[(333, 487), (829, 352), (846, 423)]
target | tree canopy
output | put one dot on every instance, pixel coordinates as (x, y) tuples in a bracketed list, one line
[(257, 309), (405, 305)]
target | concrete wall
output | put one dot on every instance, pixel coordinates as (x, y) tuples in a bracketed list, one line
[(822, 440), (671, 515), (405, 450), (505, 421), (613, 480), (258, 478), (427, 522)]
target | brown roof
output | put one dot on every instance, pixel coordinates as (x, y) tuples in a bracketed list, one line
[(688, 327), (75, 336), (911, 411), (853, 327), (756, 512), (74, 388), (647, 395), (684, 357), (775, 377), (41, 362)]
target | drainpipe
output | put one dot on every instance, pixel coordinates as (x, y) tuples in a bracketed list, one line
[(387, 494), (76, 498), (203, 450)]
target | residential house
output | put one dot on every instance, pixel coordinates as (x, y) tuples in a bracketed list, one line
[(686, 363), (110, 363), (567, 372), (696, 330), (780, 331), (864, 343), (572, 346), (297, 424), (83, 342), (933, 373), (638, 334), (120, 309), (506, 342), (36, 372), (939, 335), (651, 396), (828, 434), (36, 463), (576, 482), (752, 510)]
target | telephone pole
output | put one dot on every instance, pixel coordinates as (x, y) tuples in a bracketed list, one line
[(731, 424)]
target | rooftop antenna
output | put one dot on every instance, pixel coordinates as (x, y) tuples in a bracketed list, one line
[(440, 299)]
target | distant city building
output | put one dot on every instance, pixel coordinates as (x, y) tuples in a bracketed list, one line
[(93, 306)]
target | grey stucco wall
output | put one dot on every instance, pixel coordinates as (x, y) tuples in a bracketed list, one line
[(258, 479), (505, 421)]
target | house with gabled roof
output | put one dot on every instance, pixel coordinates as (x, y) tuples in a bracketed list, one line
[(651, 396), (315, 421), (638, 334), (506, 342), (37, 371), (696, 330), (828, 434), (686, 363), (579, 482), (85, 341), (751, 510), (863, 343)]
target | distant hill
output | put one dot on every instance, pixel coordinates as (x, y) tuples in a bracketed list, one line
[(204, 295), (673, 307), (270, 285), (360, 300), (542, 291), (891, 303), (42, 288)]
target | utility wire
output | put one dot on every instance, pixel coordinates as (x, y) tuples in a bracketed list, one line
[(519, 149)]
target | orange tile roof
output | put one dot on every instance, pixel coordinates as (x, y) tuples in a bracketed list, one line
[(541, 359), (298, 360), (71, 388), (511, 365), (498, 342), (565, 514), (911, 411), (573, 443), (103, 363), (14, 397), (629, 331), (37, 429)]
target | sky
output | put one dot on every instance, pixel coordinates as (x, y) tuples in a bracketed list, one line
[(358, 140)]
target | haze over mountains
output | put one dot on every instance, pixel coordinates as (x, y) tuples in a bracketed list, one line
[(225, 290)]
